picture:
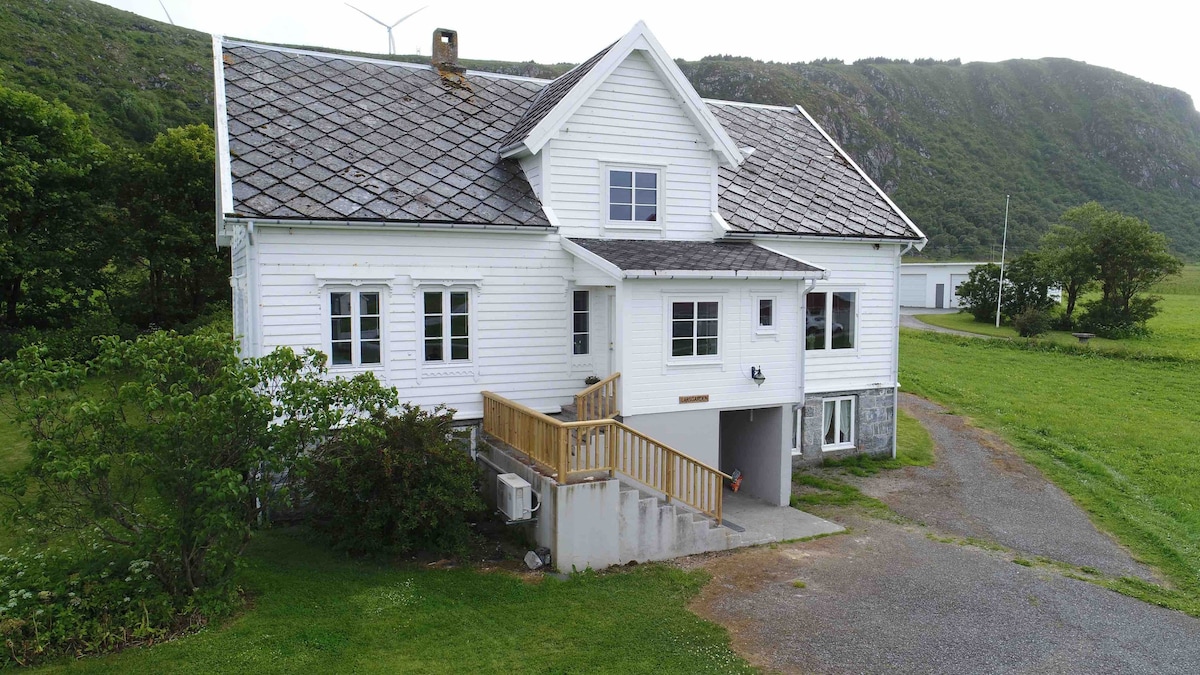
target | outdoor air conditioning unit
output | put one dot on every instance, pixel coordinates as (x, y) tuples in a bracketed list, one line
[(514, 496)]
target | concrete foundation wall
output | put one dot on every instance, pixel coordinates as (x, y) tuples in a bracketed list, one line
[(695, 433), (600, 523), (754, 441), (874, 426)]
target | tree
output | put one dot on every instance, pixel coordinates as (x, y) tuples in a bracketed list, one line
[(1025, 288), (48, 247), (166, 213), (1067, 259), (172, 446), (1130, 258)]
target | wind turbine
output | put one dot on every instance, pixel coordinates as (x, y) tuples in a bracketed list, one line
[(391, 42)]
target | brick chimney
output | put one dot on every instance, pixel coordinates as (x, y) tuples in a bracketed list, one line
[(445, 50)]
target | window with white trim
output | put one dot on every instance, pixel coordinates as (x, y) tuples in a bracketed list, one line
[(837, 429), (580, 320), (830, 320), (695, 327), (633, 195), (447, 326), (766, 313), (355, 328)]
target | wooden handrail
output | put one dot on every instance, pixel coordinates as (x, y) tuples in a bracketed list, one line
[(598, 401), (590, 446)]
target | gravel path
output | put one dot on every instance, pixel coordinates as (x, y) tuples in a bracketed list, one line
[(888, 599), (910, 321), (903, 597), (980, 487)]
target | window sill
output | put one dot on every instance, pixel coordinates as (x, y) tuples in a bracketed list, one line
[(694, 361), (839, 446), (347, 368), (656, 226)]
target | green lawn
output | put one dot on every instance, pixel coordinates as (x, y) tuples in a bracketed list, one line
[(314, 611), (1120, 435), (1173, 332), (317, 612)]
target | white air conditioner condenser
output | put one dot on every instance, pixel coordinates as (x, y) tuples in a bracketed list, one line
[(514, 496)]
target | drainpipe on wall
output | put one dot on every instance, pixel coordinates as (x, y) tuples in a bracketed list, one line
[(801, 364), (896, 356)]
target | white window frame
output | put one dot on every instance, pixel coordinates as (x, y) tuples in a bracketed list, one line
[(643, 225), (771, 331), (356, 363), (838, 422), (827, 348), (705, 359), (472, 335), (587, 311)]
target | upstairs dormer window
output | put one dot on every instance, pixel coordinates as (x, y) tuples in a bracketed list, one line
[(633, 196)]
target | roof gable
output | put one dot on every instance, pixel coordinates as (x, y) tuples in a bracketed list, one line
[(563, 97)]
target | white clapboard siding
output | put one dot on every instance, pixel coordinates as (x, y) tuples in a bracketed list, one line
[(532, 167), (854, 266), (652, 386), (632, 118), (520, 334)]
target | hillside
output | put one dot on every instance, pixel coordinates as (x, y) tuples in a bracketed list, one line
[(947, 141)]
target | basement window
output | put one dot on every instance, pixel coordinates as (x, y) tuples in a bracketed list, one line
[(838, 423)]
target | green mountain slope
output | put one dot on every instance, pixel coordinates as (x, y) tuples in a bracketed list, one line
[(947, 141)]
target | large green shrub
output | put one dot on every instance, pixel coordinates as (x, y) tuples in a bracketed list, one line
[(396, 483), (1025, 288), (1032, 322), (167, 450)]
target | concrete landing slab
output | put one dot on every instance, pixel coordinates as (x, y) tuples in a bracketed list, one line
[(763, 523)]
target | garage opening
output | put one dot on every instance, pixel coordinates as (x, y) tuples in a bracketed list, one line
[(752, 442)]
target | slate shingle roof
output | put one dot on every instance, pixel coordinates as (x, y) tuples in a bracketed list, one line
[(328, 138), (795, 181), (549, 97), (659, 255), (325, 137)]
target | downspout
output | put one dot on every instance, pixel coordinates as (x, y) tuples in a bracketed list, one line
[(802, 367), (896, 356)]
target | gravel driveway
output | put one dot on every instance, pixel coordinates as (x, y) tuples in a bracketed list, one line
[(901, 597)]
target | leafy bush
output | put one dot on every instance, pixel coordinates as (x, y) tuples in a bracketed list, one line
[(90, 599), (170, 447), (396, 483), (1116, 322), (1025, 288), (1032, 322)]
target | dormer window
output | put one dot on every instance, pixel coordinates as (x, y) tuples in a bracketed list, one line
[(633, 196)]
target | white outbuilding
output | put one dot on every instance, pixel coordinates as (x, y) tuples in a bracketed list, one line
[(933, 285)]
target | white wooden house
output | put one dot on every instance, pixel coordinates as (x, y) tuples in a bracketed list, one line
[(725, 268)]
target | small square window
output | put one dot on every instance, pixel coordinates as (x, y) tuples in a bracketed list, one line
[(632, 196), (766, 313), (695, 329)]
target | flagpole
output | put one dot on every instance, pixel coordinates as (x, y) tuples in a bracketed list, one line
[(1003, 247)]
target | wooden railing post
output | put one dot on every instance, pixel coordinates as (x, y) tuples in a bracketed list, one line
[(564, 455)]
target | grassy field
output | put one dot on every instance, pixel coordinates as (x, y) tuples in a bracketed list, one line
[(1118, 434), (1173, 331), (317, 612)]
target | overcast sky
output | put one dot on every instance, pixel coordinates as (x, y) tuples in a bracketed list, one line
[(1150, 39)]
